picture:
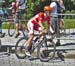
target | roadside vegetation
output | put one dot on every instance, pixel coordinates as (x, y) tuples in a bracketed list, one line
[(35, 6), (70, 23)]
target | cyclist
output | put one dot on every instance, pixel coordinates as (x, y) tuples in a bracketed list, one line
[(35, 23), (13, 8), (62, 11), (20, 10), (1, 16)]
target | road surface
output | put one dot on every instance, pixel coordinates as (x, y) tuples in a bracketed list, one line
[(12, 60)]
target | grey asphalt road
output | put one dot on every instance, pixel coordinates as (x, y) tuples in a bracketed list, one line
[(12, 60)]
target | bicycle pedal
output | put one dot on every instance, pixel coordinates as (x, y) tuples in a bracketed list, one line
[(17, 35)]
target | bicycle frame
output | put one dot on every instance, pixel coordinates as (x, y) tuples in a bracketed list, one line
[(38, 42), (40, 45)]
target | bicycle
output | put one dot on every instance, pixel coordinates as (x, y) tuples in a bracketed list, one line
[(44, 51), (11, 28)]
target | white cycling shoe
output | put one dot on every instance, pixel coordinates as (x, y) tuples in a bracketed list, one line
[(28, 53)]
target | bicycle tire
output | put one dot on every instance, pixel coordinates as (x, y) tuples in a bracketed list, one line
[(20, 49), (23, 32), (11, 29), (45, 55)]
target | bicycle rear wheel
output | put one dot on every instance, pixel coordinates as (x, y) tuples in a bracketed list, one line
[(20, 48), (11, 29), (47, 51)]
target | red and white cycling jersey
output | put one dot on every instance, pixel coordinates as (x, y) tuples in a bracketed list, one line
[(40, 17), (33, 23), (13, 7)]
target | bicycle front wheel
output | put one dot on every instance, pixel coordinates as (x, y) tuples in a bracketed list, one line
[(20, 48), (11, 29), (47, 50)]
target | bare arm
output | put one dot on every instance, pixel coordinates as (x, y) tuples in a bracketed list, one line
[(40, 23)]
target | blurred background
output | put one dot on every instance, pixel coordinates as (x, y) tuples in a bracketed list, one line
[(35, 6)]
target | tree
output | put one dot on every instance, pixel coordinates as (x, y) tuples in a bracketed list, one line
[(35, 6)]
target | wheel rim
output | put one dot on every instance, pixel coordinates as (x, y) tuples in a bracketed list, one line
[(20, 49), (44, 53), (11, 30)]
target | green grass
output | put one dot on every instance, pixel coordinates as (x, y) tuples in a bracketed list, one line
[(70, 23), (5, 26)]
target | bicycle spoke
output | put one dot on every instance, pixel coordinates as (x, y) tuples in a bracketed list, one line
[(20, 48), (47, 51)]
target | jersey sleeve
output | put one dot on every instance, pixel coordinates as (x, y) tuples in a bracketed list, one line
[(41, 16)]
